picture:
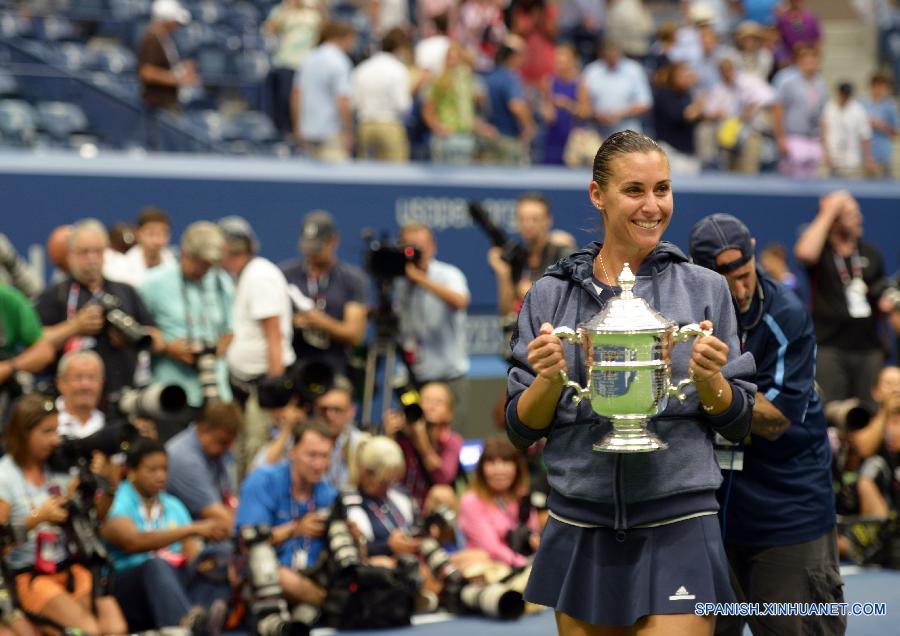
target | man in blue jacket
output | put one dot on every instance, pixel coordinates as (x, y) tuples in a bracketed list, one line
[(777, 505)]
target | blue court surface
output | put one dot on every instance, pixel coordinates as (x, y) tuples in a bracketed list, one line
[(861, 586)]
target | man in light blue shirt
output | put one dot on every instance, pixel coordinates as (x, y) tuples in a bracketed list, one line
[(191, 303), (321, 98), (619, 91), (884, 119), (431, 302)]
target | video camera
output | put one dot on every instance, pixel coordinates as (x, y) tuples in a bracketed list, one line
[(269, 613), (514, 252), (136, 334), (307, 380), (496, 600), (385, 260)]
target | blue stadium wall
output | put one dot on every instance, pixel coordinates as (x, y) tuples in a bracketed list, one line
[(42, 191)]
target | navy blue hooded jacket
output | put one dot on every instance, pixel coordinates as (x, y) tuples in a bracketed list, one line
[(628, 490)]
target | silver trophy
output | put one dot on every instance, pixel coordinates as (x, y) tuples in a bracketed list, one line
[(629, 370)]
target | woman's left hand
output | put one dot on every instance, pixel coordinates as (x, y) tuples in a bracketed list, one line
[(708, 355)]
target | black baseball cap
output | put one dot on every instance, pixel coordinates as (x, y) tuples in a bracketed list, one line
[(318, 227), (716, 233)]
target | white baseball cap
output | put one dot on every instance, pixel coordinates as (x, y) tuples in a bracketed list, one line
[(170, 11)]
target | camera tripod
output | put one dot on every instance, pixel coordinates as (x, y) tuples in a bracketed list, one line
[(384, 347)]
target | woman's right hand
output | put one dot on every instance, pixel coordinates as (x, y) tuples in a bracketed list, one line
[(212, 530), (545, 354), (53, 510)]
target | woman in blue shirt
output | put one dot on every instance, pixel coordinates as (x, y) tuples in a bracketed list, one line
[(153, 539)]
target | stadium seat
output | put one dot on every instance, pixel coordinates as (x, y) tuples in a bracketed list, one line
[(206, 11), (18, 122), (56, 29), (128, 10), (214, 63), (252, 126), (210, 123), (253, 66), (13, 26), (61, 119), (112, 58), (243, 16), (70, 55), (9, 87)]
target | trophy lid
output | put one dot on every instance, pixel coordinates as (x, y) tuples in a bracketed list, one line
[(627, 313)]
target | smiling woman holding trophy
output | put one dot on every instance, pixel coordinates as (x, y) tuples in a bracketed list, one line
[(633, 541)]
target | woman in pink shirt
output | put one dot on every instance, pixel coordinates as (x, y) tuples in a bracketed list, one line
[(490, 509)]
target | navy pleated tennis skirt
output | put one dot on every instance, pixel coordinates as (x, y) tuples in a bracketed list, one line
[(608, 577)]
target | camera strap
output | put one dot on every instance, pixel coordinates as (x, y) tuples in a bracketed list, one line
[(78, 343), (188, 315)]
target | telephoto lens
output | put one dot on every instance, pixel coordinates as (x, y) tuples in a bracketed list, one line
[(205, 363), (134, 332)]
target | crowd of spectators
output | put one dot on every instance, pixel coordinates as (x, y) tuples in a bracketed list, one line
[(233, 458), (726, 86)]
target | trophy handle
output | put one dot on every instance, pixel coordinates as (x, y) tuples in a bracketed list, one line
[(690, 331), (569, 335), (683, 335)]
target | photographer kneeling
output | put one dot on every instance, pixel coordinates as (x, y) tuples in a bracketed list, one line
[(385, 514), (48, 586), (292, 498), (155, 544), (489, 513)]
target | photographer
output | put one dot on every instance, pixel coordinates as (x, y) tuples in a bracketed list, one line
[(385, 514), (336, 408), (431, 303), (516, 275), (430, 446), (79, 379), (868, 440), (47, 584), (24, 344), (489, 511), (152, 234), (261, 322), (191, 303), (201, 466), (335, 320), (73, 308), (155, 546), (879, 476), (292, 498), (846, 275)]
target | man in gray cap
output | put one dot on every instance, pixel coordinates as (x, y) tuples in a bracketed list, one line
[(191, 303), (261, 323), (330, 317), (777, 505)]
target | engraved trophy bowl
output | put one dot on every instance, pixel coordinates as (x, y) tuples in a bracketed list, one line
[(629, 372)]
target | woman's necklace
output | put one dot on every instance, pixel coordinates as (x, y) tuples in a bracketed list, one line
[(609, 280)]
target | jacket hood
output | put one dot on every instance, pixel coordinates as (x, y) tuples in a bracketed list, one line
[(579, 266)]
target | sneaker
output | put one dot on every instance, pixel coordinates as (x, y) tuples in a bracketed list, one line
[(216, 617)]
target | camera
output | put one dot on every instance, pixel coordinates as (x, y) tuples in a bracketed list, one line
[(496, 600), (109, 440), (205, 365), (441, 522), (308, 381), (514, 252), (269, 614), (156, 401), (134, 332), (385, 260)]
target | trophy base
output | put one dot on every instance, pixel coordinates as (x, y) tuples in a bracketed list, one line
[(630, 436)]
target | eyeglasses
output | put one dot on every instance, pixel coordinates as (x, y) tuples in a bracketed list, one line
[(324, 408)]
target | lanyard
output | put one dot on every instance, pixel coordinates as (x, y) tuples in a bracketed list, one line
[(305, 542), (386, 514), (188, 317), (317, 288), (72, 300), (855, 266), (153, 520)]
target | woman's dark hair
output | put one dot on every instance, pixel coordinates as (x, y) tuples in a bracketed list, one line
[(143, 447), (27, 413), (499, 447), (617, 144)]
